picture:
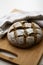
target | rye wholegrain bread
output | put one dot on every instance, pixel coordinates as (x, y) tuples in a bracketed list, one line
[(23, 34)]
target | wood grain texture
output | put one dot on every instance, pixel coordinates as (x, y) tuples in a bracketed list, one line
[(23, 56)]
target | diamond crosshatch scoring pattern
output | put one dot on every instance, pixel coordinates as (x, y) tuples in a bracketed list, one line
[(24, 34), (23, 57)]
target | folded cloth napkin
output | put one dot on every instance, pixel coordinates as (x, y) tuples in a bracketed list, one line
[(9, 19)]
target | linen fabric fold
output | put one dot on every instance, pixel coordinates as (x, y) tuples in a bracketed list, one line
[(9, 19)]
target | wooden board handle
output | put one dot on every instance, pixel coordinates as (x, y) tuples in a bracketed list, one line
[(7, 58)]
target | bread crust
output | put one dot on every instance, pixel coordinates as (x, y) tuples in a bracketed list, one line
[(23, 34)]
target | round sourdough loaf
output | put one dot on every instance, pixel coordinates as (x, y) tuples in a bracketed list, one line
[(23, 34)]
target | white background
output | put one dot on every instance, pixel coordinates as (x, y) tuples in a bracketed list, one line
[(26, 5)]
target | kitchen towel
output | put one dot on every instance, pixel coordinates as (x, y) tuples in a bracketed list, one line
[(9, 19)]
